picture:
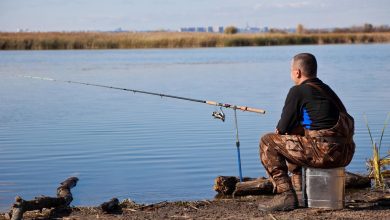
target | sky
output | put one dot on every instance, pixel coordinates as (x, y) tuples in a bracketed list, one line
[(105, 15)]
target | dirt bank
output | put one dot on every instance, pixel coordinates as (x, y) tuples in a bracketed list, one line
[(363, 204)]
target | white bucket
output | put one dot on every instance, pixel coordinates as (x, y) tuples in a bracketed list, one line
[(325, 188)]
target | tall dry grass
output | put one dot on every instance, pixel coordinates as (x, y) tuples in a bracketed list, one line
[(377, 164), (98, 40)]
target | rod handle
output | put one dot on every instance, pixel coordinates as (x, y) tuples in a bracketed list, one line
[(249, 109), (212, 103), (242, 108)]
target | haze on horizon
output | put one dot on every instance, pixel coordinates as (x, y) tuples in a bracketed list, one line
[(80, 15)]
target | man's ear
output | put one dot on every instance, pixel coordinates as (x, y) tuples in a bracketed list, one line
[(298, 74)]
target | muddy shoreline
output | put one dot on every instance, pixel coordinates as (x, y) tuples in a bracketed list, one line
[(360, 204)]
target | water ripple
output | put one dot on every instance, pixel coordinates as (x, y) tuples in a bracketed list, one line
[(152, 149)]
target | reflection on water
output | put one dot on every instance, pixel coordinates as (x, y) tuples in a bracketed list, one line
[(152, 149)]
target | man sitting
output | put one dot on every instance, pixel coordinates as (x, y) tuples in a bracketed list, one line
[(314, 130)]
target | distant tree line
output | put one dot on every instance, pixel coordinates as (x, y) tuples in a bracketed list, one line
[(300, 29), (365, 28)]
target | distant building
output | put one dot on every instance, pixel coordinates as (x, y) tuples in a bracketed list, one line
[(20, 30), (221, 29), (200, 29), (188, 29), (249, 30), (119, 30), (291, 30), (196, 29)]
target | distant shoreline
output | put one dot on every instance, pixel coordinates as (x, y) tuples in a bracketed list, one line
[(129, 40)]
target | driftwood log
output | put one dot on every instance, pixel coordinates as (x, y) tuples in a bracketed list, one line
[(227, 184), (63, 199), (260, 186), (356, 181), (230, 185)]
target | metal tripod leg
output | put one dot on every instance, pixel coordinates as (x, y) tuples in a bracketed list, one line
[(237, 144)]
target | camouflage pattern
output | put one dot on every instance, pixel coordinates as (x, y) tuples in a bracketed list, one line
[(327, 148)]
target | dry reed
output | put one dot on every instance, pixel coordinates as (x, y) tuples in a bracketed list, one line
[(129, 40), (377, 165)]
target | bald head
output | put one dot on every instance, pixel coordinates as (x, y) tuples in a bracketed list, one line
[(307, 63)]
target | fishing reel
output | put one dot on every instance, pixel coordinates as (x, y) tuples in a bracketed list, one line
[(219, 115)]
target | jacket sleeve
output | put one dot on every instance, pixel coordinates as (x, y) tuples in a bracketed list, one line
[(290, 114)]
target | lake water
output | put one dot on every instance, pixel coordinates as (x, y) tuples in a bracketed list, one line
[(152, 149)]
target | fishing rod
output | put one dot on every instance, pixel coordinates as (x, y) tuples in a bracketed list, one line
[(216, 114), (224, 105)]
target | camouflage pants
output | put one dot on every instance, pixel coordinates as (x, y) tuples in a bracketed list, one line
[(327, 148)]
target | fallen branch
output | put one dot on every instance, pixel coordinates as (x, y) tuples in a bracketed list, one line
[(63, 199), (260, 186), (230, 185), (226, 185), (356, 181)]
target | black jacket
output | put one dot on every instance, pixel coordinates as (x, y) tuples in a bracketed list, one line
[(307, 106)]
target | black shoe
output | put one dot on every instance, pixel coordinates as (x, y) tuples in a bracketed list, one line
[(285, 201)]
